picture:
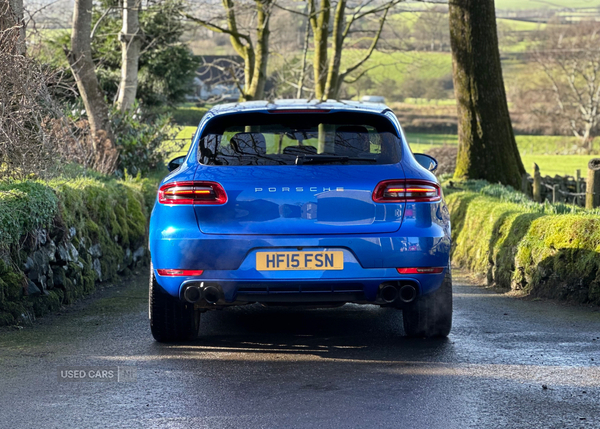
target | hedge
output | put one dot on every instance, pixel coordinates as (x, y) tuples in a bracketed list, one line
[(189, 115), (550, 251), (58, 239)]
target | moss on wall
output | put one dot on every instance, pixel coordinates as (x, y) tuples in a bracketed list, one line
[(58, 239), (523, 246)]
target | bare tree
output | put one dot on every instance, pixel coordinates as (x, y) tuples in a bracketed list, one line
[(131, 43), (252, 46), (430, 31), (570, 59), (82, 65), (35, 136), (328, 73)]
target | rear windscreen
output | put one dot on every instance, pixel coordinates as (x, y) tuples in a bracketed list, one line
[(299, 138)]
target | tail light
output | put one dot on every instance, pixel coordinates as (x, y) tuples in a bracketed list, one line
[(192, 193), (411, 191), (179, 273), (421, 270)]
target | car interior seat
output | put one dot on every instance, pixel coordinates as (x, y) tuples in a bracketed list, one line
[(249, 143), (352, 140)]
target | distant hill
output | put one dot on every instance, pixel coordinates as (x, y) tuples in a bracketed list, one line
[(546, 4)]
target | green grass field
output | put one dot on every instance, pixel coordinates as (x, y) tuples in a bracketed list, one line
[(562, 165), (517, 25), (186, 133), (536, 149), (528, 145), (397, 66), (183, 137)]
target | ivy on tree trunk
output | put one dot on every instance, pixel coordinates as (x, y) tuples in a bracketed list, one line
[(487, 148)]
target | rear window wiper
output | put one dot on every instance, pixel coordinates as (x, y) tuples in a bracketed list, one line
[(327, 159)]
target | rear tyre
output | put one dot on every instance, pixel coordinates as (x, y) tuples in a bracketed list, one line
[(170, 319), (430, 315)]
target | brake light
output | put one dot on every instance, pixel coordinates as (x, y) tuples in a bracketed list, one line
[(179, 273), (299, 111), (421, 270), (412, 191), (198, 192)]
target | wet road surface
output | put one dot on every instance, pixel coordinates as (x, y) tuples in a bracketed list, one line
[(327, 368)]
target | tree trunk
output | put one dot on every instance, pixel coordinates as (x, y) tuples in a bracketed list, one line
[(12, 19), (487, 148), (131, 44), (17, 8), (80, 61), (587, 139), (334, 77), (320, 25), (304, 53), (245, 50), (256, 91), (333, 74)]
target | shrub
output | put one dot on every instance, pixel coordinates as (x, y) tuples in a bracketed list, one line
[(36, 138), (140, 142)]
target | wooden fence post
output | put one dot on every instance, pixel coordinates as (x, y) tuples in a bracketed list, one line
[(525, 185), (577, 199), (592, 197), (537, 184)]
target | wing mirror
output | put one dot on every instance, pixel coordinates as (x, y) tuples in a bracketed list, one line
[(426, 161), (174, 164)]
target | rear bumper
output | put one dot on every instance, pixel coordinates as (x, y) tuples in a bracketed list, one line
[(369, 261), (353, 284), (357, 290)]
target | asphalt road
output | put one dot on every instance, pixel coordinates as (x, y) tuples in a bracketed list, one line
[(508, 363)]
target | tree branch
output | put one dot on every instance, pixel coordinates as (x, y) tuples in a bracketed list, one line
[(278, 6), (104, 15), (363, 72), (372, 47), (218, 29)]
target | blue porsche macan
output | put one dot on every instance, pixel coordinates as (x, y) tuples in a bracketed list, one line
[(300, 202)]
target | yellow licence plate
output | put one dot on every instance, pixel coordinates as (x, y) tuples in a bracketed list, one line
[(270, 261)]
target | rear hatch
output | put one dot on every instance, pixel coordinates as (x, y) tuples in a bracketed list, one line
[(305, 173)]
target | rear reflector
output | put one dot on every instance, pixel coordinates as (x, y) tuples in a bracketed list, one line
[(198, 192), (423, 270), (179, 273), (410, 191)]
